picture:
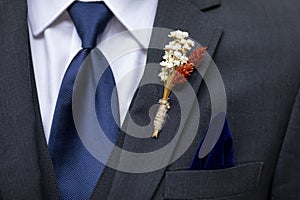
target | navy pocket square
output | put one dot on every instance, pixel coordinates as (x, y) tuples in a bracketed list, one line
[(220, 154)]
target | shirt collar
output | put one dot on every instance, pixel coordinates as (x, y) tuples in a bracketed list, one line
[(42, 13)]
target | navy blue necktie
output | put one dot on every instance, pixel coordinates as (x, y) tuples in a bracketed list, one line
[(77, 171)]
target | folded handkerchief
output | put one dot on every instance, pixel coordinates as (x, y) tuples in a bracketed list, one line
[(220, 155)]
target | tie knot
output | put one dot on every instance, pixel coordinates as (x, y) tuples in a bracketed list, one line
[(90, 20)]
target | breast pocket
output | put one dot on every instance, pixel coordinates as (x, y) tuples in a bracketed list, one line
[(210, 184)]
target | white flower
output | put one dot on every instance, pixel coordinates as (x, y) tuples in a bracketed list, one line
[(187, 47), (185, 34), (163, 76), (184, 59), (178, 34), (190, 42), (176, 63), (172, 43), (177, 47), (165, 73), (163, 63), (183, 41), (170, 65), (168, 47), (165, 57), (175, 53)]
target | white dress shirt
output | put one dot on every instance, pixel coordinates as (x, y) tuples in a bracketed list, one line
[(54, 42)]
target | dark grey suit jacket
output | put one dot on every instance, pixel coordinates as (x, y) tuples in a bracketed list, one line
[(255, 44)]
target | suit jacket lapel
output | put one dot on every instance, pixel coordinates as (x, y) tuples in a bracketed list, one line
[(171, 14), (25, 168)]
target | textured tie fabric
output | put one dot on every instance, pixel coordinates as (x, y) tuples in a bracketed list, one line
[(77, 171)]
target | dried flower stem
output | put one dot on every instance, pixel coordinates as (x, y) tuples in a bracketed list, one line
[(160, 116), (164, 106)]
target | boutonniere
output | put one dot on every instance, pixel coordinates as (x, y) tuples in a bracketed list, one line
[(177, 66)]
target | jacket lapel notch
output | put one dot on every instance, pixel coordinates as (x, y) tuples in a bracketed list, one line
[(205, 5)]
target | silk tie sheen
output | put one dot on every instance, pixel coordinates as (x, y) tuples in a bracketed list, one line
[(77, 171)]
